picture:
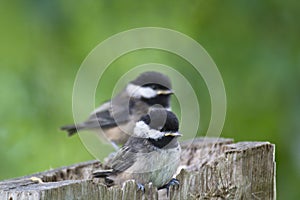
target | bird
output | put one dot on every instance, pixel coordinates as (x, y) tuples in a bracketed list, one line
[(151, 154), (117, 117)]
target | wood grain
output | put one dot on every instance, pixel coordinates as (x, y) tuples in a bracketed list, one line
[(211, 168)]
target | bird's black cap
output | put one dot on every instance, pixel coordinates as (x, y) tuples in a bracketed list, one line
[(153, 79), (162, 120)]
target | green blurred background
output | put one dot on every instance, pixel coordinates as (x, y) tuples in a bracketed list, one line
[(255, 44)]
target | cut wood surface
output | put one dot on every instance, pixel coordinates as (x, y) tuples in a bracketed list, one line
[(211, 168)]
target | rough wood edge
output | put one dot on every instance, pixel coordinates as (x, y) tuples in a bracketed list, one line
[(212, 168)]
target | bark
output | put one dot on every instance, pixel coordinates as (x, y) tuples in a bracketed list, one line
[(211, 168)]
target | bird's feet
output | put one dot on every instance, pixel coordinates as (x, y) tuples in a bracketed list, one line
[(141, 187), (173, 181)]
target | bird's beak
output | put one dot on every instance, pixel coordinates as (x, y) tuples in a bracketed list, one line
[(164, 92), (173, 134)]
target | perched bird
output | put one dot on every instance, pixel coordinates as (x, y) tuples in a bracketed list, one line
[(118, 116), (151, 154)]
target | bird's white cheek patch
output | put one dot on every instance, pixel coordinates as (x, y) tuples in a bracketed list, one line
[(147, 92), (141, 129), (137, 91), (132, 90), (154, 134)]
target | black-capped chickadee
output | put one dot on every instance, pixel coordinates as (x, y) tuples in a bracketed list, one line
[(151, 154), (118, 116)]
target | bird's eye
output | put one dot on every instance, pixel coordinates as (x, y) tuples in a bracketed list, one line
[(154, 87)]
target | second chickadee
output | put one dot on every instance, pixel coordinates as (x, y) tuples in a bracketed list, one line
[(118, 116), (151, 154)]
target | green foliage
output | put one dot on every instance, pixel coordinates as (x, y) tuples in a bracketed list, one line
[(254, 43)]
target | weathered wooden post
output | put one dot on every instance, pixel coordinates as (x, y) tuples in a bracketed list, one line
[(212, 168)]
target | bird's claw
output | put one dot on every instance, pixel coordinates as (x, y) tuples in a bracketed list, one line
[(173, 181), (141, 187)]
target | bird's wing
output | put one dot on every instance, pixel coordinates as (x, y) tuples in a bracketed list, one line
[(127, 155), (124, 159), (110, 114)]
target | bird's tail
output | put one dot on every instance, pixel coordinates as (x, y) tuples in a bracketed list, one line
[(71, 129), (102, 173)]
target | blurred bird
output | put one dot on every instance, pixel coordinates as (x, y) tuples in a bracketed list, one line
[(117, 117), (151, 154)]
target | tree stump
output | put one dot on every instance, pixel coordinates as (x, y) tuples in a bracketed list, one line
[(211, 168)]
